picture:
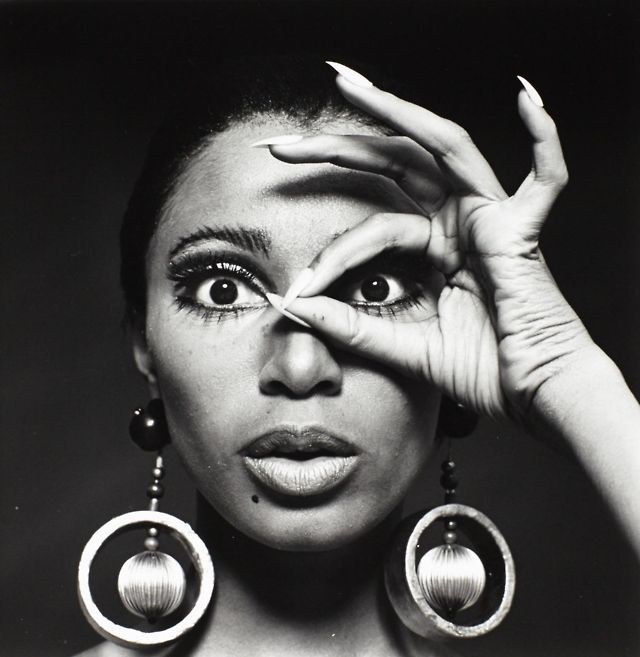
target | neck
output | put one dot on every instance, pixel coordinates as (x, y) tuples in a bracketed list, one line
[(298, 603)]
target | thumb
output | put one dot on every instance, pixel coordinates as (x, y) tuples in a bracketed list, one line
[(548, 175), (397, 344)]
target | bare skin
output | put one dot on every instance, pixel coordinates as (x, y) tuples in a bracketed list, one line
[(305, 575), (498, 337), (503, 341)]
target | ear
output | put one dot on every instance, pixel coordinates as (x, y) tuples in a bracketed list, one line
[(144, 361)]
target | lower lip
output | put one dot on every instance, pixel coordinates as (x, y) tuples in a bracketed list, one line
[(301, 478)]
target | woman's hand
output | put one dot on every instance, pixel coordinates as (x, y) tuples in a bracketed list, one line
[(499, 329)]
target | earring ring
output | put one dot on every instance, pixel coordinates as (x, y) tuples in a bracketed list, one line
[(195, 548), (403, 586)]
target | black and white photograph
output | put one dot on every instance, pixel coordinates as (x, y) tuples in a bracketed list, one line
[(320, 328)]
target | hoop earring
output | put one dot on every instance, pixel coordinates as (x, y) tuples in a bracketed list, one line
[(151, 584), (448, 590)]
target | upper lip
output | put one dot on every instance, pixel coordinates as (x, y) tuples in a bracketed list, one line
[(288, 440)]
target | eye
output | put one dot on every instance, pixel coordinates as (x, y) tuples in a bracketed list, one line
[(216, 284), (377, 288), (225, 291)]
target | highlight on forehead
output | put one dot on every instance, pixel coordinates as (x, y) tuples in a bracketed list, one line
[(328, 121), (208, 166), (206, 169)]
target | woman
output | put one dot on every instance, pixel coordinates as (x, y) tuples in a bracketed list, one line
[(413, 275)]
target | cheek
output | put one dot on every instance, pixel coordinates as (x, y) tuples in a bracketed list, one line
[(207, 377), (400, 416)]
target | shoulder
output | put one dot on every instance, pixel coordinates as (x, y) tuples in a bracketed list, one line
[(105, 649), (416, 646), (108, 649)]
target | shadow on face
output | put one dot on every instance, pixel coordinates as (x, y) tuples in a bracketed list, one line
[(296, 443)]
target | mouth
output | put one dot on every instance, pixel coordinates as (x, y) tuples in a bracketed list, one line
[(300, 462)]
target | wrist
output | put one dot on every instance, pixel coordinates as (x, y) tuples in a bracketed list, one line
[(589, 409), (584, 386), (539, 335)]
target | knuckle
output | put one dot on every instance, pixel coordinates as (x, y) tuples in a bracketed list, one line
[(355, 337), (563, 176), (380, 221), (457, 139), (390, 167), (558, 177), (339, 157), (394, 169), (384, 228), (324, 259), (552, 127)]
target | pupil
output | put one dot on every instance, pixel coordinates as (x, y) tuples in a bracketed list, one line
[(375, 288), (223, 291)]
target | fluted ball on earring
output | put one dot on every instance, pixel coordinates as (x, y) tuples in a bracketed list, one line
[(151, 584), (452, 577)]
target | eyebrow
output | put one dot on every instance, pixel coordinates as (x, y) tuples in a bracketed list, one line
[(254, 240)]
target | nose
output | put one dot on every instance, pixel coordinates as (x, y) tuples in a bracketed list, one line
[(299, 365)]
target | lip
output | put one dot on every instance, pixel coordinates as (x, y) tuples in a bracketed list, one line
[(300, 461)]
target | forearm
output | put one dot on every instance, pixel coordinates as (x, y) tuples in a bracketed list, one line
[(590, 408)]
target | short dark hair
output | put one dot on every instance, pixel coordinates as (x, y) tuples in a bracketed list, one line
[(298, 88)]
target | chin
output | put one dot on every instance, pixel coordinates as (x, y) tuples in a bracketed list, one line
[(319, 528)]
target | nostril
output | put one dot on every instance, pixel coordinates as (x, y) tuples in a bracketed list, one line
[(327, 388), (276, 387)]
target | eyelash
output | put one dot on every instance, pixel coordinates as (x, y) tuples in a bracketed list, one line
[(406, 276), (190, 270), (411, 300)]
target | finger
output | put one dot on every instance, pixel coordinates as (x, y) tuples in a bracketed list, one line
[(549, 174), (401, 345), (378, 233), (450, 144), (412, 168)]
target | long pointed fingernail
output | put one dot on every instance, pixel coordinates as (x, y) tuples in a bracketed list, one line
[(300, 282), (280, 140), (276, 301), (351, 75), (535, 97)]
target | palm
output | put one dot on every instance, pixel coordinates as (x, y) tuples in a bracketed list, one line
[(462, 353), (461, 343), (481, 342)]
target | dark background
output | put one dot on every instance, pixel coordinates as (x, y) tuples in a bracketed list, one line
[(82, 86)]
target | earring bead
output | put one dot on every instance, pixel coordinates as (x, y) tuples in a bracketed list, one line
[(151, 544), (148, 427), (155, 490), (449, 481), (455, 420), (449, 537)]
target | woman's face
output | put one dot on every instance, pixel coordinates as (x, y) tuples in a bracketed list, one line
[(297, 444)]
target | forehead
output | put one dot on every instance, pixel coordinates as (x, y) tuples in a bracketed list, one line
[(230, 184)]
